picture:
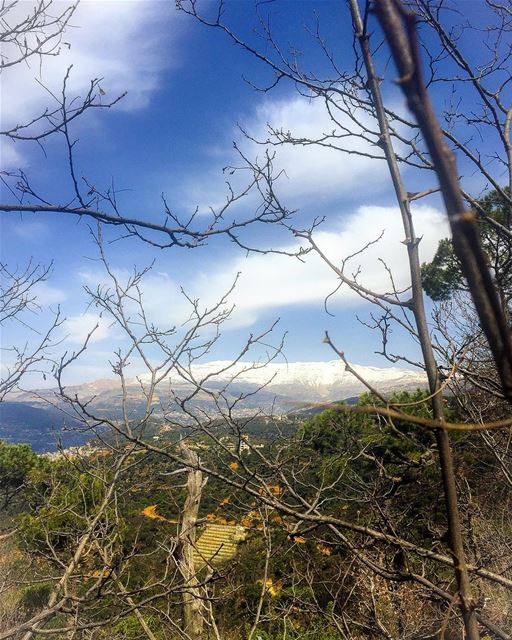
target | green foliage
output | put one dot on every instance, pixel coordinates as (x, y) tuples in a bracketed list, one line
[(306, 599), (128, 628), (35, 597), (401, 438), (332, 431), (335, 432), (17, 464), (16, 460), (368, 461), (442, 277), (391, 459), (69, 496)]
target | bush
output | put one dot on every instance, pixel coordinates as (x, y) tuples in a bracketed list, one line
[(35, 597)]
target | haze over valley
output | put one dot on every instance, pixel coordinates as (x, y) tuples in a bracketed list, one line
[(276, 388)]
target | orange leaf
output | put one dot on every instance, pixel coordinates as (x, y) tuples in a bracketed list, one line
[(272, 588), (150, 512), (323, 549)]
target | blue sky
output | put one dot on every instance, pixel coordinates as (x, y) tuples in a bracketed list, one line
[(173, 134)]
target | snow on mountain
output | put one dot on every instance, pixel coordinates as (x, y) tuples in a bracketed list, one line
[(278, 387), (285, 386), (317, 380)]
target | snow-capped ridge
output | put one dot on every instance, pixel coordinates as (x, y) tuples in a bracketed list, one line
[(310, 374), (277, 387)]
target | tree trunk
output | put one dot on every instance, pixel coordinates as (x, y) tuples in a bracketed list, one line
[(466, 600), (192, 601)]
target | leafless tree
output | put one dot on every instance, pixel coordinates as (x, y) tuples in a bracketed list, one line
[(360, 90), (18, 305), (172, 389), (318, 502), (32, 31)]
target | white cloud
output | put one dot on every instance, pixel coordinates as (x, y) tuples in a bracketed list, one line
[(314, 170), (46, 294), (10, 156), (309, 176), (163, 301), (276, 281), (77, 328), (32, 231), (126, 43)]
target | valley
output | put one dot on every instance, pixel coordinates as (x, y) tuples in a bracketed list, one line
[(40, 417)]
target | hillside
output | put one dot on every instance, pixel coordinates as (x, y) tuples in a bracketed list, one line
[(282, 388), (41, 426)]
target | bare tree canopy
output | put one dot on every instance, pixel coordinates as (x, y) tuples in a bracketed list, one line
[(208, 501)]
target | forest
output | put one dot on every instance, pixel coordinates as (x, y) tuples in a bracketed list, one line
[(199, 499)]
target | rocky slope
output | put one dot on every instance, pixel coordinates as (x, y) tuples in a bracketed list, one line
[(286, 386)]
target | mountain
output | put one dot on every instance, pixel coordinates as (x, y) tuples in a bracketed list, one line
[(298, 384), (41, 426), (282, 387)]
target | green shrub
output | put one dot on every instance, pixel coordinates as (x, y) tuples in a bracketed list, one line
[(35, 596)]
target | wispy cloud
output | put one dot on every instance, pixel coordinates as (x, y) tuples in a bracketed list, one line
[(315, 170), (310, 175), (75, 329), (32, 231), (128, 44), (45, 294), (275, 281), (162, 298), (11, 157), (268, 284)]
